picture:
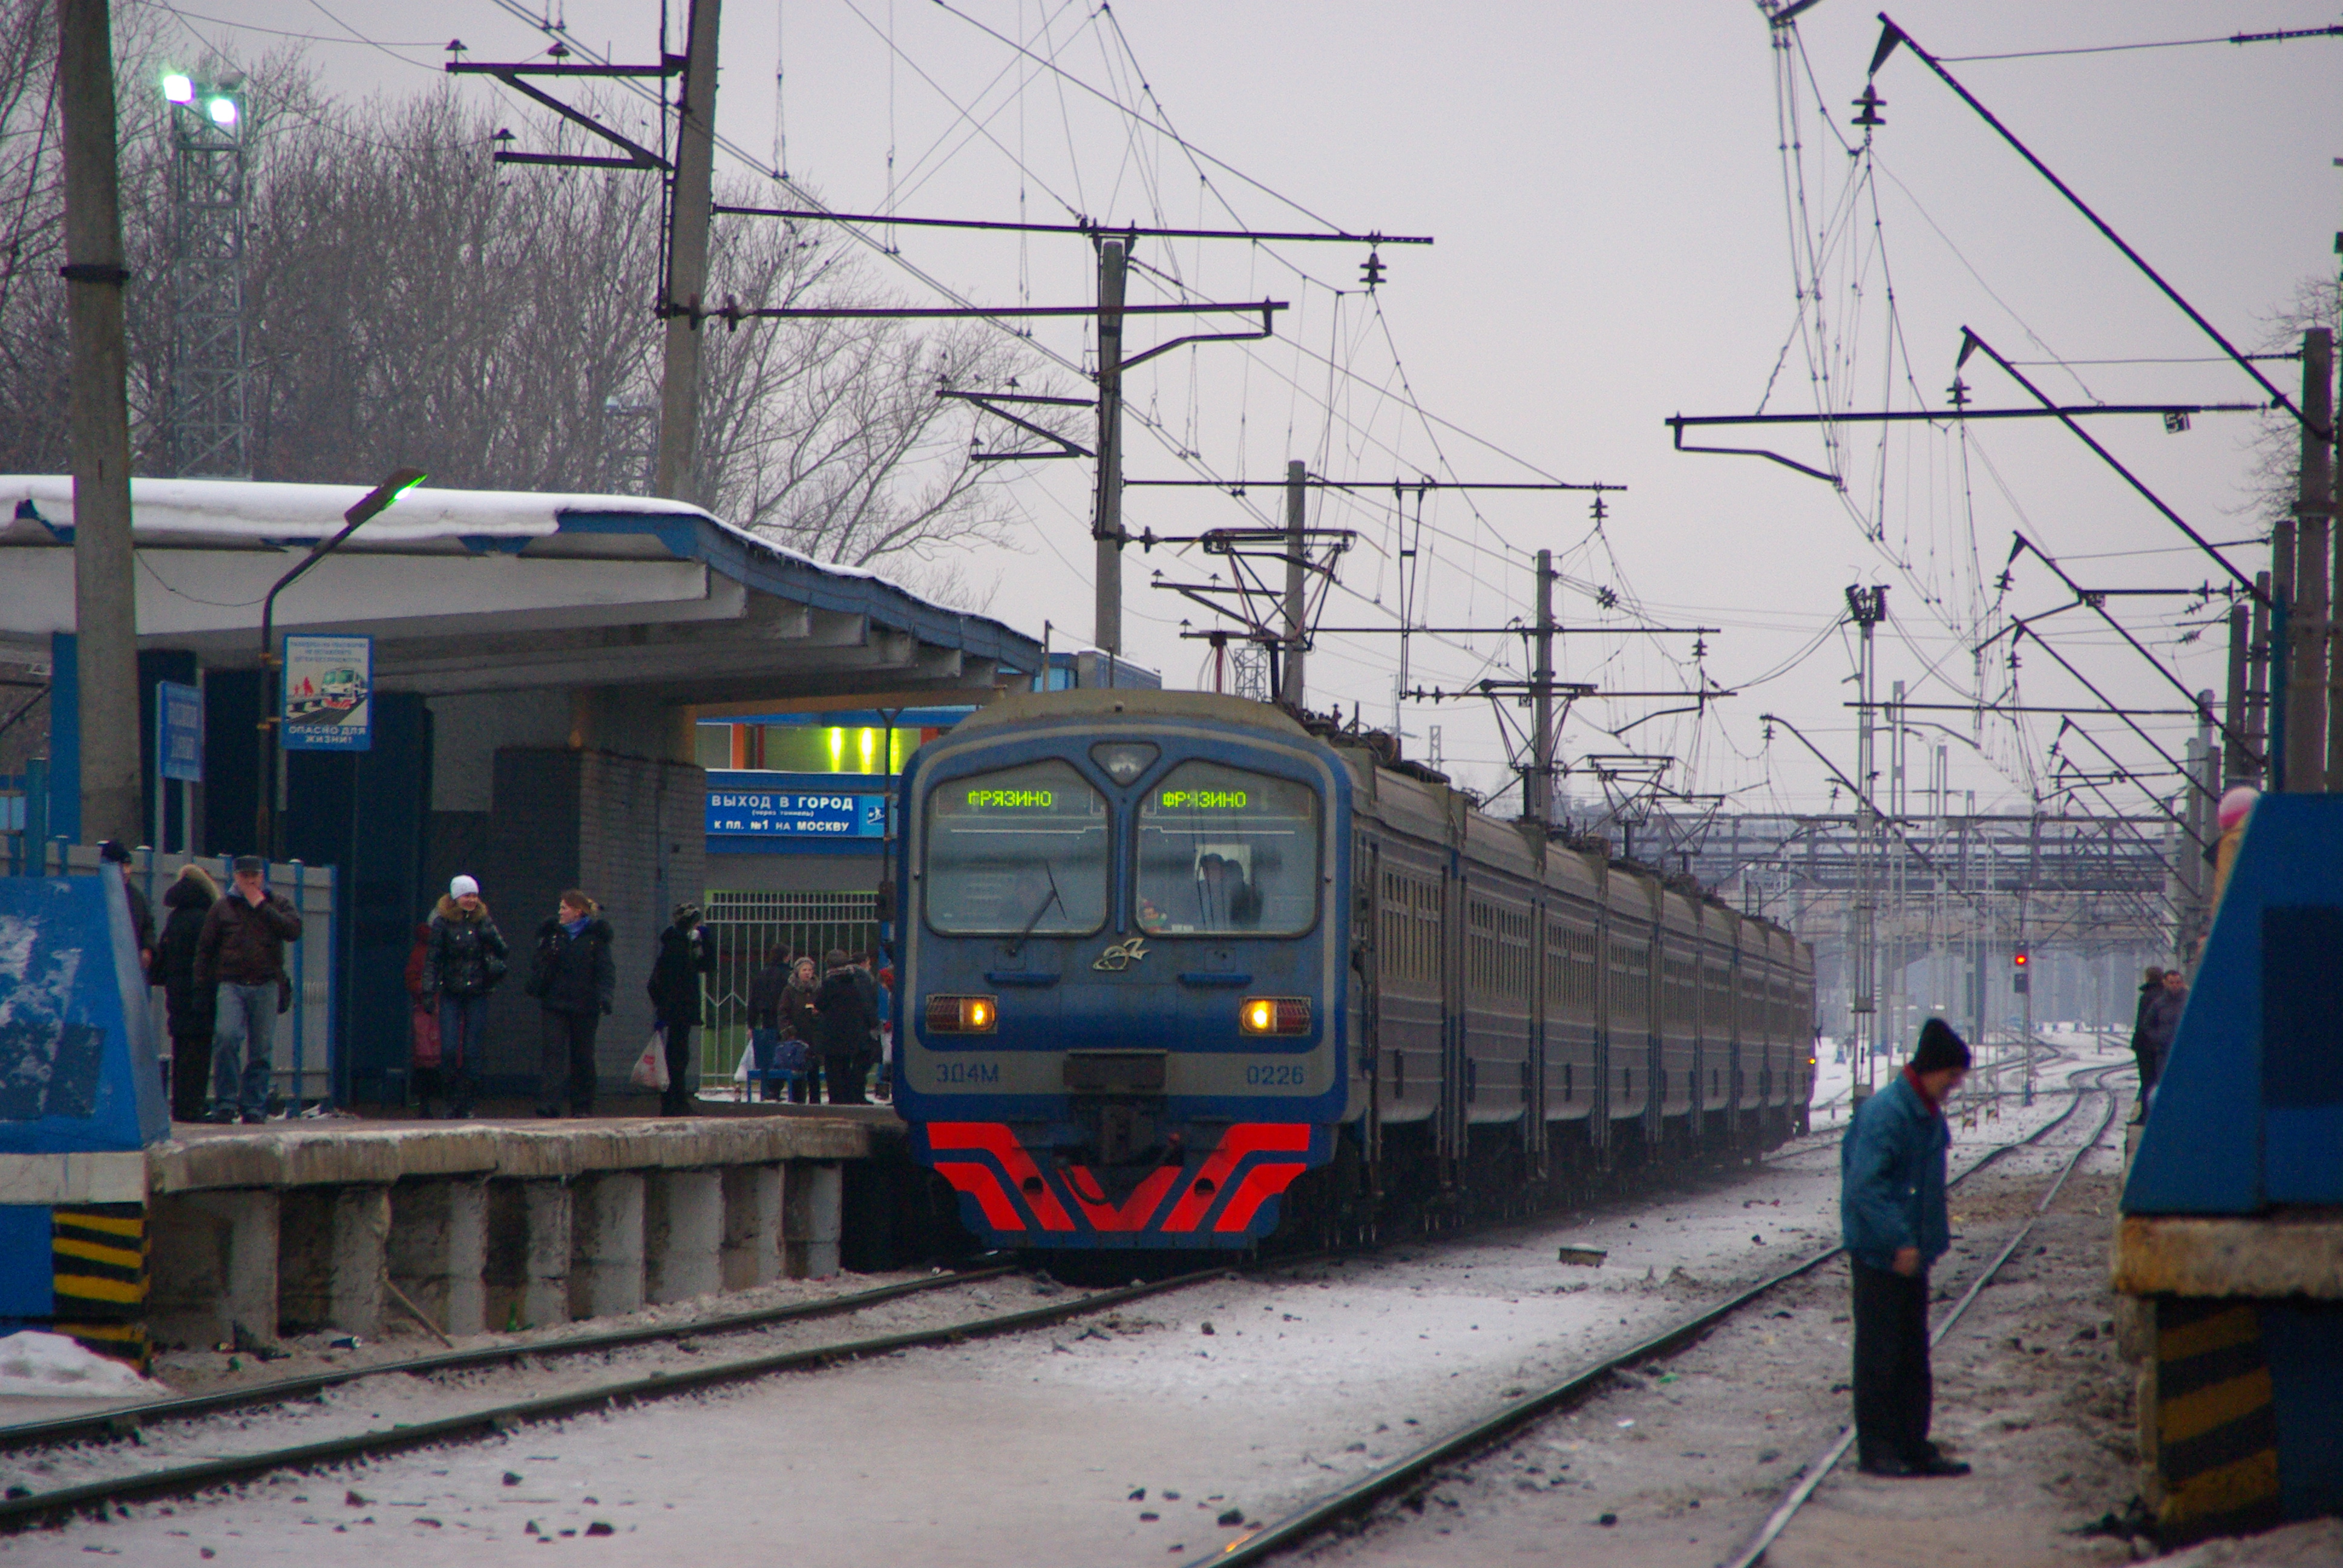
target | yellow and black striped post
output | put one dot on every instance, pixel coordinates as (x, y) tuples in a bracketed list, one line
[(98, 1269), (2216, 1426)]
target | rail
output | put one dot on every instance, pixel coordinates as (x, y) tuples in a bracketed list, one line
[(1403, 1473)]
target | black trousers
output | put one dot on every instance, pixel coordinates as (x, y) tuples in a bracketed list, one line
[(677, 1100), (1893, 1388), (191, 1075), (565, 1069), (844, 1069)]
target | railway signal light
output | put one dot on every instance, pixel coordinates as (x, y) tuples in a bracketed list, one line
[(2017, 961)]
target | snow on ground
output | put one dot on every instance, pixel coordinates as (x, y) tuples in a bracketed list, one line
[(37, 1363), (1243, 1397)]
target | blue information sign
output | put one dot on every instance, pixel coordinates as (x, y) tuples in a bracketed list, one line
[(179, 731), (792, 813), (329, 693)]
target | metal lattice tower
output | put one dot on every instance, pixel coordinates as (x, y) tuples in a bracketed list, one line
[(629, 446), (205, 428), (1249, 671)]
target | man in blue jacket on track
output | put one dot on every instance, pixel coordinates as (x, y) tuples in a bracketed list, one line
[(1891, 1214)]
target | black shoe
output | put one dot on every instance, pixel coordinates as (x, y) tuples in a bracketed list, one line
[(549, 1112), (221, 1115), (253, 1119), (1936, 1464), (1887, 1465)]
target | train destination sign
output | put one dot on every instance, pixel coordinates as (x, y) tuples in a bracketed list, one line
[(793, 813), (1011, 799), (1203, 800)]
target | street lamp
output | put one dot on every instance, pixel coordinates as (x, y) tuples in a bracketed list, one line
[(371, 505)]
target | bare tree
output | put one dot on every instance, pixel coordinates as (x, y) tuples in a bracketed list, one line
[(409, 300), (2276, 445)]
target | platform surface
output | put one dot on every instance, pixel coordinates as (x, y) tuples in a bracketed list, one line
[(339, 1153)]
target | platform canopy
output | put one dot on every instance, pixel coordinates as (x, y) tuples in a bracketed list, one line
[(487, 590)]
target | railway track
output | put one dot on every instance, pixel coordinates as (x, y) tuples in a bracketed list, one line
[(97, 1497), (1405, 1475), (1753, 1549)]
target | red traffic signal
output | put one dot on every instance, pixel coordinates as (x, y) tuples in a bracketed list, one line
[(2018, 958)]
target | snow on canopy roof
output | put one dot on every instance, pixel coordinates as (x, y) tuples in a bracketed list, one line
[(235, 509), (264, 515)]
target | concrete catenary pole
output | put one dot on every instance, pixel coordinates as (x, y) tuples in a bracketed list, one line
[(105, 603), (1539, 794), (1106, 519), (2257, 654), (690, 198), (2314, 509), (2236, 767), (2334, 603), (1291, 687)]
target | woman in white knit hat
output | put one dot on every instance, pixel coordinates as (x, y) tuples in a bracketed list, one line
[(463, 959)]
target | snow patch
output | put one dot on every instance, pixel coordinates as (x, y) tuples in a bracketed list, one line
[(33, 1362)]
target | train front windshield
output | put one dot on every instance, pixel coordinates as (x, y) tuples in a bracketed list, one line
[(1223, 850), (1022, 850)]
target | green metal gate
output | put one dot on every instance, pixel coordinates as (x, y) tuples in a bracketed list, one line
[(746, 927)]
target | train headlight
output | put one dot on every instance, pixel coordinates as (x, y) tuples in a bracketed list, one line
[(962, 1014), (1274, 1015), (1124, 761)]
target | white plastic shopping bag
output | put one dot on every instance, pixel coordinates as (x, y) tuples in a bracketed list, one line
[(650, 1068)]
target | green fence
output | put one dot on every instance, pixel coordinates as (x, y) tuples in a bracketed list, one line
[(746, 927)]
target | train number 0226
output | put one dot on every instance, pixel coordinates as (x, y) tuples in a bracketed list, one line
[(1274, 1073)]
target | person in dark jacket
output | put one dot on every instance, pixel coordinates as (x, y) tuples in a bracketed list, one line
[(462, 964), (874, 1042), (847, 1020), (801, 1021), (1892, 1216), (113, 852), (188, 1010), (2159, 1021), (2149, 988), (422, 1027), (685, 953), (767, 988), (573, 980), (240, 956)]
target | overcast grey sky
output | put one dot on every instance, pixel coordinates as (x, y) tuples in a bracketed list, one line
[(1615, 245)]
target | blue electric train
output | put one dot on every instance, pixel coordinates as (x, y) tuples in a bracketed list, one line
[(1173, 968)]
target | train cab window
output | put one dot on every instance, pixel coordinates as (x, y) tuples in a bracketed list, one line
[(1223, 850), (1020, 850)]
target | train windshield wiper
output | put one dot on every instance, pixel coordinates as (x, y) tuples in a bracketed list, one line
[(1051, 898)]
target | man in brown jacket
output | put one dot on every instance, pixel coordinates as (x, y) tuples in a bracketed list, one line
[(242, 951)]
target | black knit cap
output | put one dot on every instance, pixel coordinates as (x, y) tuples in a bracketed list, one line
[(1940, 1048)]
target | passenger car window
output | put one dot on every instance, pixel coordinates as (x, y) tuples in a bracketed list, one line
[(1020, 849), (1224, 850)]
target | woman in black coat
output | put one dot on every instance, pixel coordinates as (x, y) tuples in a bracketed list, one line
[(801, 1021), (685, 953), (464, 962), (188, 1007), (572, 980)]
